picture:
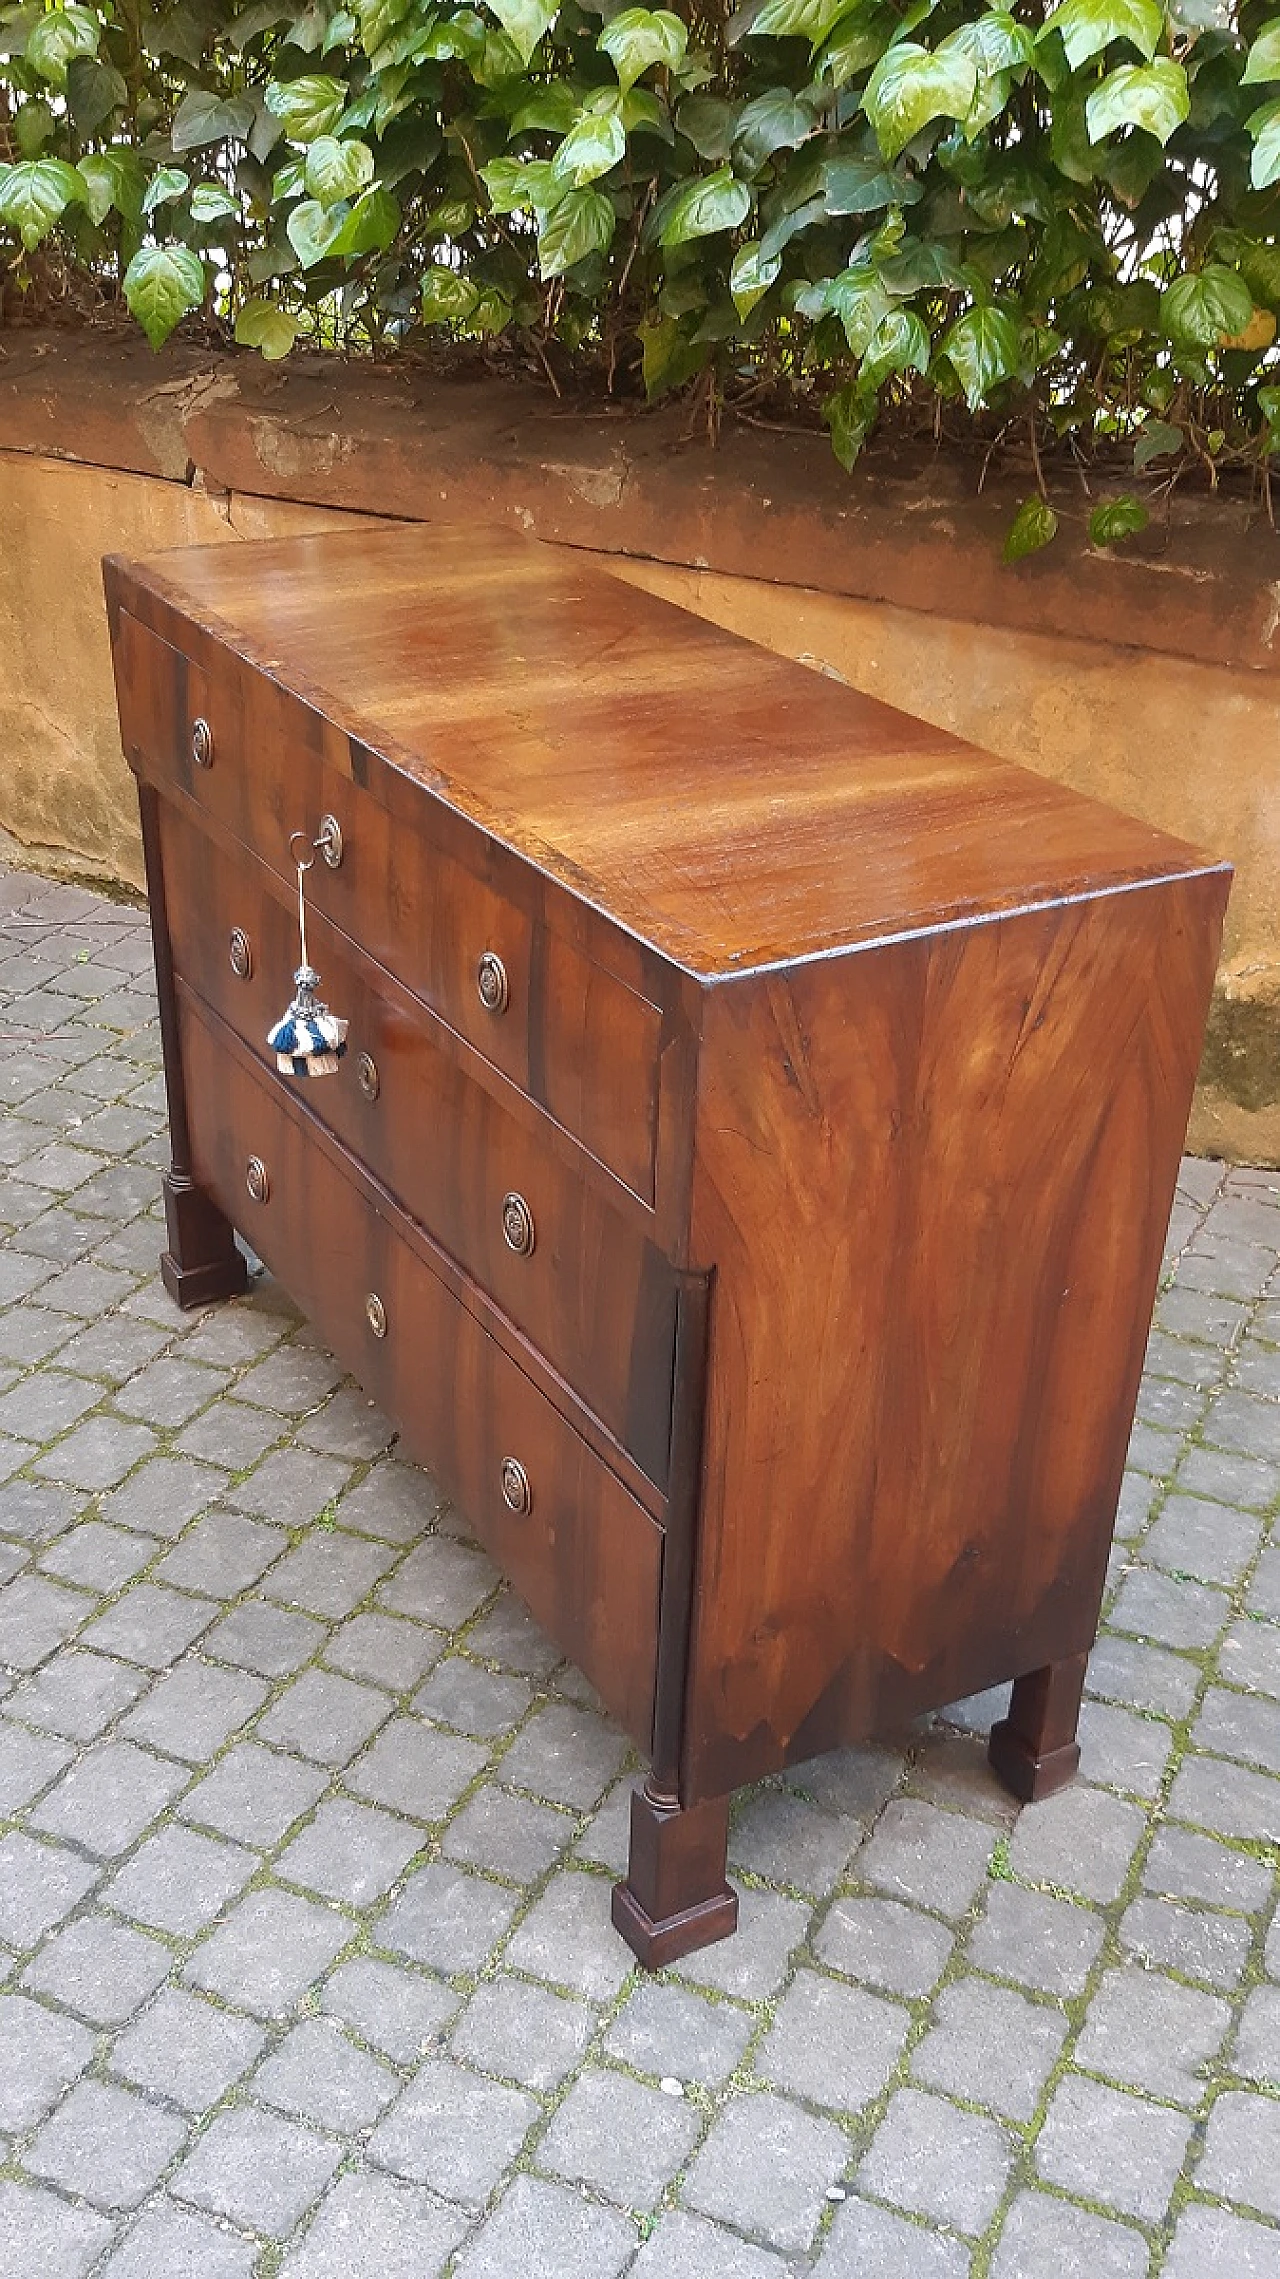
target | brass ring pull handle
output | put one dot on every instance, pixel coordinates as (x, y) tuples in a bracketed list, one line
[(257, 1179), (240, 953), (367, 1076), (375, 1313), (518, 1230), (517, 1494), (202, 743), (492, 984)]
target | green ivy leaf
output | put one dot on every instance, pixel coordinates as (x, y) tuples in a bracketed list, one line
[(638, 38), (94, 91), (516, 185), (58, 37), (1158, 440), (211, 203), (810, 20), (525, 22), (1263, 60), (900, 343), (33, 126), (984, 348), (337, 170), (34, 193), (1117, 519), (378, 20), (1264, 126), (1086, 27), (708, 123), (161, 283), (581, 223), (704, 207), (266, 326), (554, 107), (447, 297), (909, 87), (593, 147), (1033, 526), (307, 107), (371, 225), (202, 118), (776, 121), (750, 277), (850, 416), (1152, 96), (167, 185), (1206, 307), (313, 231)]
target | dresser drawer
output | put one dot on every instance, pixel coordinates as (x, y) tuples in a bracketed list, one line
[(583, 1283), (578, 1547), (263, 764)]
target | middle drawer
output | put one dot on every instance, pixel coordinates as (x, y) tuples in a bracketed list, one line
[(584, 1285)]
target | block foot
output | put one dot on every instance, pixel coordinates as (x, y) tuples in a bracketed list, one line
[(1034, 1750), (675, 1898)]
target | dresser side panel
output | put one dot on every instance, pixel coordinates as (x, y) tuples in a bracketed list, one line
[(933, 1180)]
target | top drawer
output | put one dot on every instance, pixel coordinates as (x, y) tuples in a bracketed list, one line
[(574, 1037)]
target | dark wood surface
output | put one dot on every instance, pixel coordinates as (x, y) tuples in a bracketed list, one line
[(844, 1068)]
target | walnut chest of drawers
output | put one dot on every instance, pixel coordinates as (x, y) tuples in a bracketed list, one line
[(746, 1182)]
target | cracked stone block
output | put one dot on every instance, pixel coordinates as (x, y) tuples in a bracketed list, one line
[(1153, 2033), (172, 2243), (670, 2032), (318, 2075), (324, 1717), (178, 1881), (330, 1573), (1049, 2239), (1211, 2243), (831, 2044), (35, 1618), (526, 2033), (991, 2047), (394, 1501), (163, 1496), (1184, 1865), (620, 2138), (151, 1625), (687, 2247), (39, 2233), (866, 2242), (194, 1709), (509, 1834), (109, 1796), (1241, 2159), (766, 2168), (29, 1762), (187, 2050), (929, 2157), (401, 2012), (350, 1852), (416, 1769), (1251, 1656), (454, 2130), (891, 1945), (43, 2054), (1193, 1942), (98, 1557), (373, 2227), (1230, 1799), (39, 1886), (266, 1954), (99, 1969), (1144, 1677), (105, 2145), (253, 1794), (917, 1852), (479, 1702), (385, 1649), (448, 1919), (1121, 1750), (1119, 2149), (76, 1694), (257, 2169), (441, 1582), (1239, 1725), (568, 1938), (1081, 1839), (545, 2231)]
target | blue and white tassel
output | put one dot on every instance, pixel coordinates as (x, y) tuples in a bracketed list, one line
[(309, 1040)]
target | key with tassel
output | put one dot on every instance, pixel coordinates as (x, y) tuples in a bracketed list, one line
[(308, 1040)]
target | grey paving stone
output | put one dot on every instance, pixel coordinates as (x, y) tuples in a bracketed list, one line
[(232, 1334), (401, 2012), (1184, 1865), (1145, 1677), (37, 1616), (324, 1716), (257, 2169), (266, 1954), (447, 1918), (1105, 2146), (606, 1834), (415, 1768), (163, 1496), (568, 1938), (1244, 1481), (254, 1794), (754, 1962), (1251, 1656), (1239, 1725), (99, 1969), (232, 1434), (187, 2050), (43, 2054), (1264, 1592), (76, 1694), (173, 2243), (266, 1639), (178, 1881), (349, 1424), (1193, 1942), (105, 2145), (1082, 1840), (441, 1582), (766, 2168), (832, 2044), (1273, 1948), (1153, 1450), (1238, 1422), (1173, 1613), (34, 1512), (35, 1334), (384, 1648), (780, 1837), (686, 2247), (1049, 2239), (350, 1852), (194, 1708), (853, 1782), (223, 1554), (952, 1769), (292, 1379), (329, 1573), (525, 2033), (374, 2227), (508, 1634), (292, 1487), (991, 2047), (39, 1886), (1230, 1799), (108, 1797), (1153, 2033), (1257, 2048), (669, 2031), (46, 1403), (29, 1762), (98, 1557), (168, 1392), (938, 1859), (565, 1754), (39, 2233), (1040, 1941), (545, 2231), (1241, 2158), (484, 1703), (1211, 2243), (891, 1945), (151, 1625), (1204, 1539), (509, 1834), (98, 1453), (620, 2137), (931, 2158), (454, 2131), (318, 2075), (1121, 1750), (394, 1501)]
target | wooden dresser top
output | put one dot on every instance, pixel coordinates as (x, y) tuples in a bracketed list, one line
[(730, 808)]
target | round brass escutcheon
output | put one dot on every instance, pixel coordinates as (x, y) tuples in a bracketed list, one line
[(492, 983), (240, 952), (367, 1076), (329, 840), (375, 1313), (517, 1494), (256, 1179), (518, 1229), (202, 743)]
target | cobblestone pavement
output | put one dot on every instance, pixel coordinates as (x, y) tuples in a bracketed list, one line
[(306, 1838)]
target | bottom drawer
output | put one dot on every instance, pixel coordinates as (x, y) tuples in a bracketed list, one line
[(580, 1550)]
